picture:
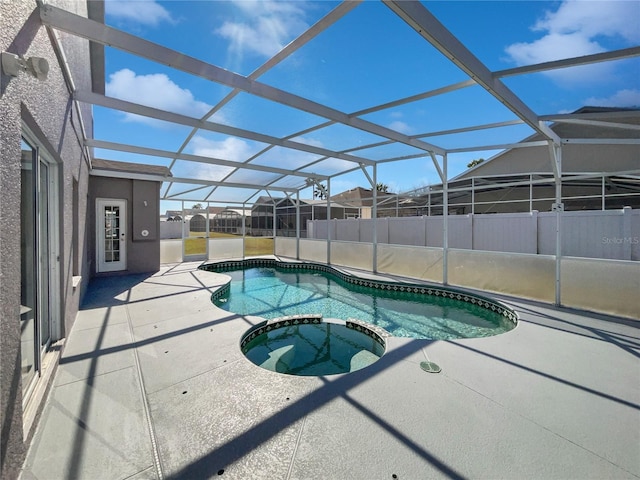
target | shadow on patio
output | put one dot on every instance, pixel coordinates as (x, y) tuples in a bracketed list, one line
[(152, 384)]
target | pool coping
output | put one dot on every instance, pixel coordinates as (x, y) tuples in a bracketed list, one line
[(439, 291)]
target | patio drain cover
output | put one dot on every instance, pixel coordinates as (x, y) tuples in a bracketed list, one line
[(430, 367)]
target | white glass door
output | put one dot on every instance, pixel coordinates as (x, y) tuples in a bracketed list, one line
[(111, 234)]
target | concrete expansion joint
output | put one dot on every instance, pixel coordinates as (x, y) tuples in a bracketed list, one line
[(539, 425), (145, 404), (186, 379), (295, 448)]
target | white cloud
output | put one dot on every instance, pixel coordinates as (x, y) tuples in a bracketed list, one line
[(592, 18), (146, 12), (400, 126), (268, 27), (622, 98), (231, 148), (553, 46), (154, 90), (308, 141), (287, 158), (576, 29), (332, 166)]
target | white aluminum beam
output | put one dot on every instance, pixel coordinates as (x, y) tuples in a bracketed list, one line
[(427, 25), (415, 98), (190, 190), (504, 146), (151, 112), (324, 23), (154, 152), (192, 181), (403, 157), (103, 34), (570, 62), (443, 176), (366, 174), (384, 106), (473, 128)]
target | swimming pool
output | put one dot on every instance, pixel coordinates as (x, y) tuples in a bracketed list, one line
[(271, 289)]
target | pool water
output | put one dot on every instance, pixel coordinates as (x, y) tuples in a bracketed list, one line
[(271, 293), (325, 348)]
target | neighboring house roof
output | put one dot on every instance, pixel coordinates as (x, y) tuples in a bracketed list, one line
[(238, 211), (216, 210), (265, 200), (576, 157), (190, 211), (358, 197), (281, 201)]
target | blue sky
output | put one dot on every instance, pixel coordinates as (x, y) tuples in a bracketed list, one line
[(367, 58)]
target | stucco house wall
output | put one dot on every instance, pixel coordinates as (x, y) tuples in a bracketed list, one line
[(45, 107), (143, 253)]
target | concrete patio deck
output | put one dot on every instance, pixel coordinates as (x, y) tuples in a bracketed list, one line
[(152, 384)]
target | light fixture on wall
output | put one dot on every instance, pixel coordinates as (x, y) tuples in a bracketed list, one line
[(13, 64)]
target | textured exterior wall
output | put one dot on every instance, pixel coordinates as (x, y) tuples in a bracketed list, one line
[(44, 105), (143, 254)]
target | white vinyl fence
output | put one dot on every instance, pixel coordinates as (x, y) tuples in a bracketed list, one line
[(609, 234)]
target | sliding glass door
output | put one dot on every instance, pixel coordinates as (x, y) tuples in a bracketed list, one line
[(39, 281)]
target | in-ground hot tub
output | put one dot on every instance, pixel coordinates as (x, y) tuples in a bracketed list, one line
[(309, 345)]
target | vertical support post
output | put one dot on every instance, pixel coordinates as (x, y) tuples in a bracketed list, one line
[(558, 207), (627, 239), (298, 225), (429, 200), (534, 222), (206, 221), (184, 221), (206, 232), (184, 226), (329, 221), (603, 192), (275, 220), (374, 214), (445, 222), (530, 192), (473, 195), (244, 231)]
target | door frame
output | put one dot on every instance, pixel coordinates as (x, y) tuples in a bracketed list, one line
[(121, 264)]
